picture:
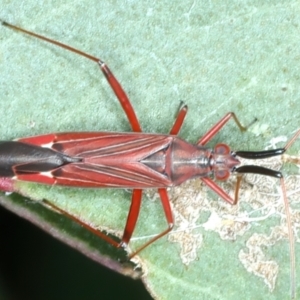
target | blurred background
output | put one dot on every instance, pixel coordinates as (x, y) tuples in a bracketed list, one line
[(33, 265)]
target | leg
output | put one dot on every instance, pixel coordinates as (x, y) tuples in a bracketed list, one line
[(289, 224), (7, 184), (132, 216), (169, 216), (131, 221), (217, 127), (113, 82), (84, 225), (122, 97), (179, 119), (218, 190), (292, 140), (130, 224)]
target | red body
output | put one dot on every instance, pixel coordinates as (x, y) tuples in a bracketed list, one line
[(122, 160)]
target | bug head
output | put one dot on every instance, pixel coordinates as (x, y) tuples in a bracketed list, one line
[(224, 161)]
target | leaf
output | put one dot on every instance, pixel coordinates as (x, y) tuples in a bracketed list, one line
[(240, 57)]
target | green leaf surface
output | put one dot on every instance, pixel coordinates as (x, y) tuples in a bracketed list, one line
[(241, 56)]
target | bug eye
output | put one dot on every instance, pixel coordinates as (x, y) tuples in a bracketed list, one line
[(222, 149), (222, 174)]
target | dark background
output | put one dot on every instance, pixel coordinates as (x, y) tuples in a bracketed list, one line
[(33, 265)]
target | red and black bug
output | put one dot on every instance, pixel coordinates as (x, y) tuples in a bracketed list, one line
[(131, 160)]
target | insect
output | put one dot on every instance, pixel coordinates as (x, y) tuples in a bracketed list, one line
[(133, 160)]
